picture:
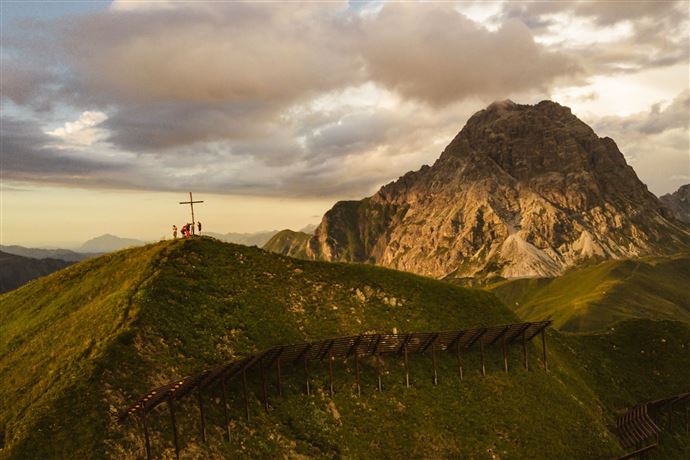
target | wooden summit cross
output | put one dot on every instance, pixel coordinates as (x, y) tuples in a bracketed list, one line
[(191, 204)]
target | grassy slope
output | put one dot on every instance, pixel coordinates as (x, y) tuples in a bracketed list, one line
[(54, 331), (594, 297), (635, 361), (87, 340)]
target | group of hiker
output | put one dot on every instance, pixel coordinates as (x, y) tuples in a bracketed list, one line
[(187, 230)]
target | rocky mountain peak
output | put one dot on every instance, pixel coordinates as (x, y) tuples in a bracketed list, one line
[(522, 190)]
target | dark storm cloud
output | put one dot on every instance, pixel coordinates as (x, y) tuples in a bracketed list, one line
[(222, 96), (161, 125), (27, 155)]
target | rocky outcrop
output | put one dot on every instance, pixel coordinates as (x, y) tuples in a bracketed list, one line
[(679, 203), (522, 191)]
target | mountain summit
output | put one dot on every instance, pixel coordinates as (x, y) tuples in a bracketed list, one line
[(521, 191)]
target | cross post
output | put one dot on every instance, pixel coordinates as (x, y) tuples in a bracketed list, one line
[(191, 204)]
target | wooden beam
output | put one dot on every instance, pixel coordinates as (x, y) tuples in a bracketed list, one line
[(202, 418), (275, 357), (455, 341), (264, 391), (505, 354), (225, 408), (303, 353), (481, 351), (354, 347), (147, 440), (407, 365), (433, 360), (476, 337), (543, 347), (460, 369), (330, 375), (327, 350), (500, 335), (279, 382), (524, 352), (174, 427), (359, 386), (246, 393), (406, 340), (377, 357), (429, 342), (306, 374), (521, 330), (376, 345)]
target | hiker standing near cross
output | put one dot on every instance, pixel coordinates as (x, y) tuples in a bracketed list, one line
[(191, 204)]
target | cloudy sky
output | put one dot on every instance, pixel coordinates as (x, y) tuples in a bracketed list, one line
[(271, 111)]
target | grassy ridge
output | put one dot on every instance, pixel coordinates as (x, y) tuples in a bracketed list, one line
[(594, 297), (54, 330), (84, 342)]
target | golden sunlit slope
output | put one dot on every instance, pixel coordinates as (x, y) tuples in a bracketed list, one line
[(81, 344)]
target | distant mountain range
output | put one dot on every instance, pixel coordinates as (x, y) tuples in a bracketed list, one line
[(32, 263), (36, 253), (259, 239), (522, 191), (109, 243), (17, 270), (247, 239)]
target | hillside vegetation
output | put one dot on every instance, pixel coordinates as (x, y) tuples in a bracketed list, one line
[(594, 297), (79, 345), (83, 342), (635, 361)]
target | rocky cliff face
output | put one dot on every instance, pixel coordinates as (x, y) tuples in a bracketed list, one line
[(522, 191), (679, 203)]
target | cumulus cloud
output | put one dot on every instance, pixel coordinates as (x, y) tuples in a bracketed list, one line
[(82, 131), (656, 120), (635, 35), (436, 54), (656, 142), (308, 99)]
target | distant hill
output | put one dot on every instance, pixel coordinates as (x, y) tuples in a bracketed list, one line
[(521, 191), (597, 296), (289, 242), (80, 344), (108, 243), (248, 239), (16, 271), (679, 202), (36, 253), (310, 228)]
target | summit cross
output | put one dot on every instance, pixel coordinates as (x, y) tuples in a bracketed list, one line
[(191, 205)]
